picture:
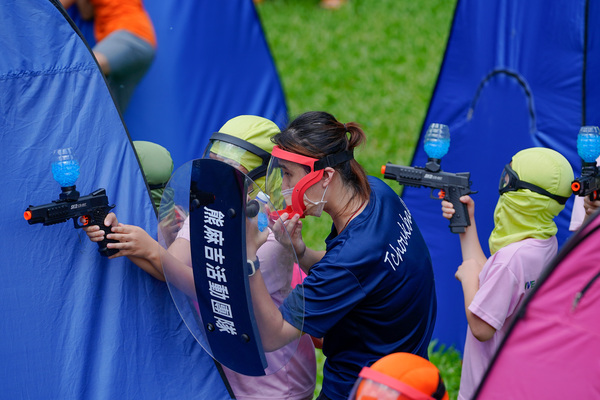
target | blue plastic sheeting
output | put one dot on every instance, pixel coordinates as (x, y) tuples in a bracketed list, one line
[(212, 64), (76, 325), (513, 76)]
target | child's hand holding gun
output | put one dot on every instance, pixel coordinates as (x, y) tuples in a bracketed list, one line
[(452, 186), (130, 240), (469, 240)]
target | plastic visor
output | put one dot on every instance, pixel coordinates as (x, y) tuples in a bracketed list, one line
[(208, 211), (374, 385), (289, 175), (238, 153), (509, 181)]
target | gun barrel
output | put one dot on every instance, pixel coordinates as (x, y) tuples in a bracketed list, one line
[(586, 185), (409, 176), (47, 214)]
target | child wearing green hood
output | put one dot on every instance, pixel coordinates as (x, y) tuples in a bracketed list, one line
[(534, 188)]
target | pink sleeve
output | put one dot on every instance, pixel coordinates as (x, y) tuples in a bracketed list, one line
[(488, 304), (184, 232), (578, 214)]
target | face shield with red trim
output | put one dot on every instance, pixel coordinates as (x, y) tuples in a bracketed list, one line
[(375, 385), (289, 175)]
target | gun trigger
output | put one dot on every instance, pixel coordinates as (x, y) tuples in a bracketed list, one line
[(80, 222), (441, 195)]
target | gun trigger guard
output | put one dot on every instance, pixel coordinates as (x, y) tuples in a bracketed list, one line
[(441, 195), (76, 223)]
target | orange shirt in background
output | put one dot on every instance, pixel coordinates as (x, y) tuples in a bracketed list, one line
[(130, 15)]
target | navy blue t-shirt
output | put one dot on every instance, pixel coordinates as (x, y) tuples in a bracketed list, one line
[(372, 294)]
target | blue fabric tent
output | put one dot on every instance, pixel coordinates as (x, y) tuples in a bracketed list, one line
[(212, 64), (206, 52), (76, 325), (515, 74)]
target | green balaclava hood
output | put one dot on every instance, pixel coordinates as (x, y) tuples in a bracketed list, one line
[(523, 214), (157, 166), (253, 129)]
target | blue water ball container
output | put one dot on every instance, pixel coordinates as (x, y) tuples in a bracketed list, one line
[(437, 141), (263, 220), (588, 143), (65, 168)]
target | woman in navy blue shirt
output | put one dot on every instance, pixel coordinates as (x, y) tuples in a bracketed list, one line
[(371, 292)]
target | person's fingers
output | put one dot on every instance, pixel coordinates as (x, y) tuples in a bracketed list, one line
[(121, 228), (124, 238), (91, 228), (96, 236), (465, 199), (448, 208), (111, 219)]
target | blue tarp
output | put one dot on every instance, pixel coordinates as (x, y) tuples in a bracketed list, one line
[(212, 64), (515, 74), (74, 324)]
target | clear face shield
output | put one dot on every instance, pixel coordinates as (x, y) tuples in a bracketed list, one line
[(209, 212), (289, 175), (240, 154), (374, 385)]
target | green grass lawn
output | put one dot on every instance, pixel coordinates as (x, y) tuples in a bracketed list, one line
[(373, 62)]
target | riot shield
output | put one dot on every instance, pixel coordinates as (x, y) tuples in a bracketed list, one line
[(208, 212)]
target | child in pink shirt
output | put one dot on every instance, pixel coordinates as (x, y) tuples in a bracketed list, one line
[(292, 369), (533, 190)]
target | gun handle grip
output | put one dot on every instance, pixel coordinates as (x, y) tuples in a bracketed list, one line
[(98, 219), (460, 220)]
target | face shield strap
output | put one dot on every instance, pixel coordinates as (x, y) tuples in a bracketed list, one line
[(257, 172), (440, 391), (400, 387), (334, 159), (514, 183)]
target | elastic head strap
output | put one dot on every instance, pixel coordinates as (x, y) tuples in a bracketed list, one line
[(440, 391), (534, 188), (519, 184), (257, 151), (334, 159)]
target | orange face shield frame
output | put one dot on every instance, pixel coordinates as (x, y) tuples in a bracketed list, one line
[(317, 167)]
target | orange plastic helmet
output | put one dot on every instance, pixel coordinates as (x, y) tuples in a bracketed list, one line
[(400, 376)]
